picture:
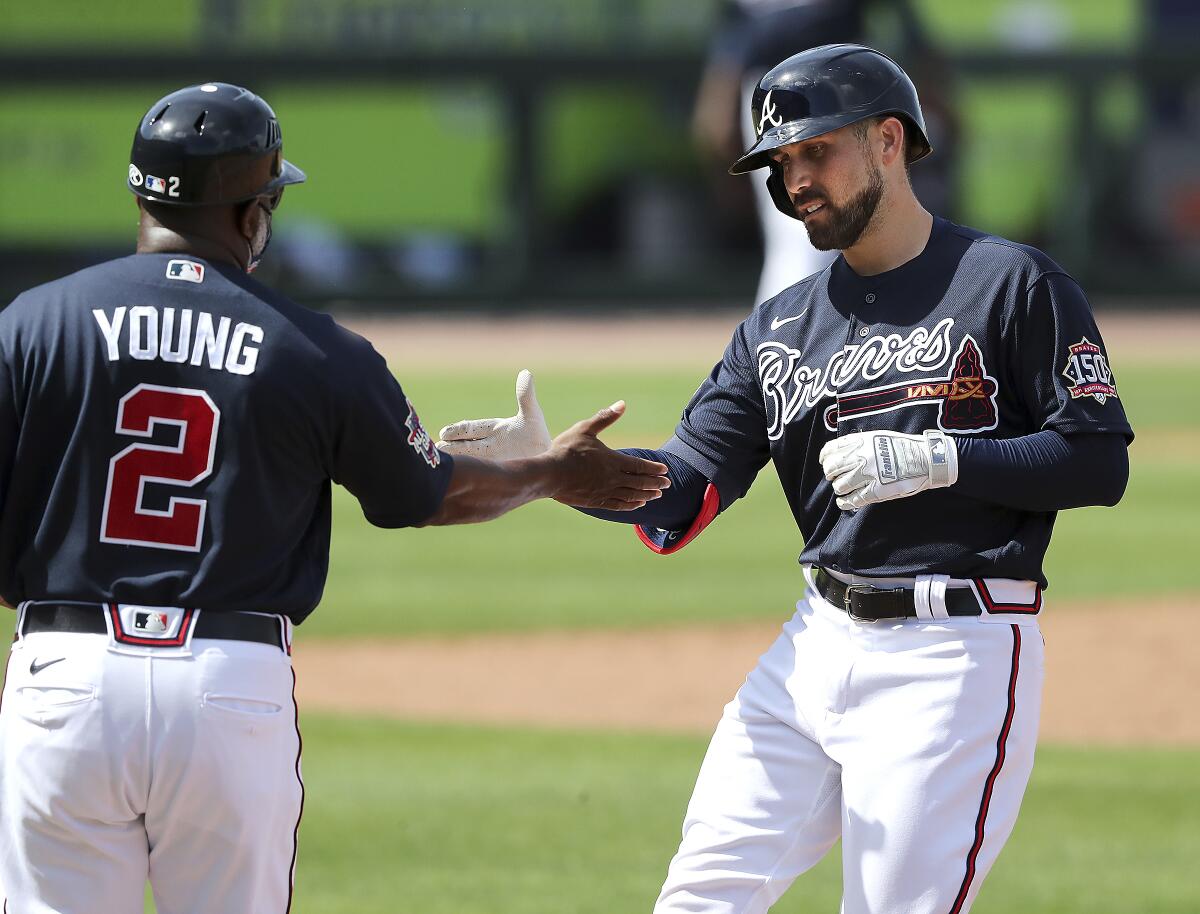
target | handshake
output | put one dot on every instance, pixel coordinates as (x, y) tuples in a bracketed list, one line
[(864, 467), (585, 472)]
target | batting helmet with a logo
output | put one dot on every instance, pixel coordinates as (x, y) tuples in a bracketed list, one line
[(209, 144), (820, 90)]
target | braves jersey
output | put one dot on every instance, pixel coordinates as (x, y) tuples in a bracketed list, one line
[(169, 428), (975, 336)]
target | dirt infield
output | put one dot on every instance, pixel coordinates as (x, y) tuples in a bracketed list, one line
[(665, 341), (1117, 674)]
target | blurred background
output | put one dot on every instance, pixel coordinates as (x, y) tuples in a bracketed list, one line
[(514, 152), (508, 718)]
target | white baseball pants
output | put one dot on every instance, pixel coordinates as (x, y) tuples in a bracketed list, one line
[(912, 741), (181, 766)]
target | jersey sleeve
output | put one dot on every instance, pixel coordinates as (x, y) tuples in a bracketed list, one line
[(1065, 377), (382, 454), (9, 424), (723, 431)]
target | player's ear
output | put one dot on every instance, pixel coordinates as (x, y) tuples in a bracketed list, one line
[(891, 132), (249, 216)]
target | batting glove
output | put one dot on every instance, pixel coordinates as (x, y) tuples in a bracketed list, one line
[(522, 435), (869, 467)]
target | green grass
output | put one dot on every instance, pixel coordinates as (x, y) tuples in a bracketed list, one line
[(446, 819), (1155, 399)]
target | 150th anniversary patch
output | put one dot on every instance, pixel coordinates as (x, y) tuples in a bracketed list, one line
[(1087, 370)]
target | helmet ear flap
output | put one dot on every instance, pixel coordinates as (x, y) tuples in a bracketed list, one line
[(783, 200)]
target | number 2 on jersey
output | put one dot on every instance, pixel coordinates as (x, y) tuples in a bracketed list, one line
[(189, 460)]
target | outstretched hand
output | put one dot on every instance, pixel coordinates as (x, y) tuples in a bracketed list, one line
[(522, 435), (592, 475)]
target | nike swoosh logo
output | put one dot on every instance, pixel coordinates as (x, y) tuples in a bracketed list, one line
[(35, 667), (780, 321)]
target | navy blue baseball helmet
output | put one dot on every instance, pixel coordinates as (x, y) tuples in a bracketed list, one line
[(207, 145), (820, 90)]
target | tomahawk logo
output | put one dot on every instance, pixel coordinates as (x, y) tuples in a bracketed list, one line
[(768, 114), (419, 439)]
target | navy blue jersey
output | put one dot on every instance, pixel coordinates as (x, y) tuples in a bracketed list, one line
[(169, 429), (975, 336)]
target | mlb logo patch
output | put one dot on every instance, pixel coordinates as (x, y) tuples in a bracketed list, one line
[(151, 626), (150, 623), (156, 185), (186, 270)]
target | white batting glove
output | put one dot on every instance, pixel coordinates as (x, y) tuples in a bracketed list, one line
[(522, 435), (869, 467)]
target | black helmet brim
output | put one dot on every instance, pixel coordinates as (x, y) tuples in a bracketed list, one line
[(290, 175), (759, 155)]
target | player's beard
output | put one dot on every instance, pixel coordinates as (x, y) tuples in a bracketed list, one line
[(842, 226)]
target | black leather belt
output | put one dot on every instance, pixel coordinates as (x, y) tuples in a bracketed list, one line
[(88, 618), (865, 603)]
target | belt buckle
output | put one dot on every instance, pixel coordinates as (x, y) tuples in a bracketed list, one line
[(848, 602)]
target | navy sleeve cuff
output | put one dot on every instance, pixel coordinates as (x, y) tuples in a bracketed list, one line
[(679, 504)]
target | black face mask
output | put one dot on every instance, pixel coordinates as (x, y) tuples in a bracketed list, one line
[(269, 207), (256, 258)]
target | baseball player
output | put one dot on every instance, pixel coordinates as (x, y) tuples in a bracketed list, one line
[(169, 429), (929, 400)]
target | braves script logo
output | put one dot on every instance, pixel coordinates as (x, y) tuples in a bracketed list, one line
[(966, 394), (419, 438), (1087, 370), (768, 114)]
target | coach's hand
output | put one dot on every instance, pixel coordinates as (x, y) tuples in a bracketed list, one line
[(869, 467), (522, 435), (591, 475)]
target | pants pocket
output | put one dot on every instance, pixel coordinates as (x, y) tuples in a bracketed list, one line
[(240, 705), (51, 705)]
